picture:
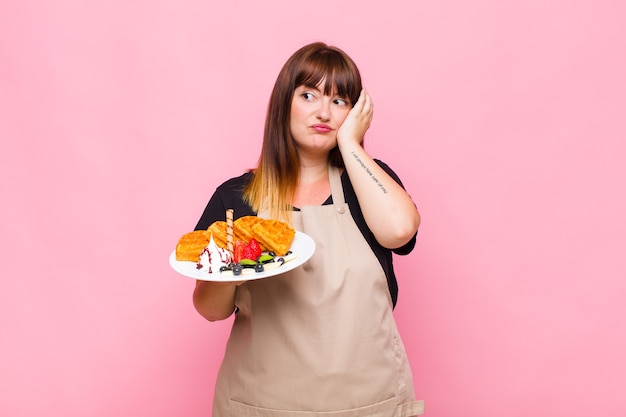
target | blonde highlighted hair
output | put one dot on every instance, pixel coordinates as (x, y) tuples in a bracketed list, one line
[(275, 179)]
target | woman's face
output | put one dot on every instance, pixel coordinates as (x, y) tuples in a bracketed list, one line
[(315, 118)]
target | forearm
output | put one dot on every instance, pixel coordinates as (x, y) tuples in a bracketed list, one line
[(389, 211), (214, 301)]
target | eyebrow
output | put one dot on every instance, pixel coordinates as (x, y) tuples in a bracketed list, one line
[(335, 92)]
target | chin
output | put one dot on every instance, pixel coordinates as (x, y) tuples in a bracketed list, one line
[(318, 145)]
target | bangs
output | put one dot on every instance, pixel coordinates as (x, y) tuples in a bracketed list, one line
[(340, 77)]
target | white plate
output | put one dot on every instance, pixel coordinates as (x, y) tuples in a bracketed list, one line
[(302, 246)]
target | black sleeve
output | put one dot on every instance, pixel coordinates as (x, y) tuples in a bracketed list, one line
[(228, 195), (408, 247), (358, 214)]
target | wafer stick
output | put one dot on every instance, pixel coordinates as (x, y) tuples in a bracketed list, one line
[(229, 230)]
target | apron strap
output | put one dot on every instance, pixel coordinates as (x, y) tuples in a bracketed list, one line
[(336, 189)]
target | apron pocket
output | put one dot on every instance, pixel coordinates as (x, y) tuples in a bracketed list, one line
[(382, 409)]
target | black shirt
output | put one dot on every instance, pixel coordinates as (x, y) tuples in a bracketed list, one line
[(230, 195)]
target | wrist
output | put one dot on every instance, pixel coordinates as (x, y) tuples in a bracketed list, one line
[(348, 144)]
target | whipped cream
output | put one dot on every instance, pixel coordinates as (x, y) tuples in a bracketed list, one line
[(213, 258)]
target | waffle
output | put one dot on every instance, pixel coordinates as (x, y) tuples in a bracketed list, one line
[(274, 235), (218, 230), (242, 228), (191, 244)]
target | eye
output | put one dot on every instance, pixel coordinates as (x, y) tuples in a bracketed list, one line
[(308, 96), (341, 102)]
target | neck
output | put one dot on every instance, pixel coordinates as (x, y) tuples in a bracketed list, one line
[(313, 186), (312, 171)]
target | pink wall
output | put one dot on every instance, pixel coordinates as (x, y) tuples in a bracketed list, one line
[(505, 120)]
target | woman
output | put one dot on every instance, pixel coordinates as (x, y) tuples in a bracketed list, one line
[(322, 337)]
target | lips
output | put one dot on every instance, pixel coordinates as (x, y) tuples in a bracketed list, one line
[(321, 128)]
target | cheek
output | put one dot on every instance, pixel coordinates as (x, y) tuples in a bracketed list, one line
[(296, 113), (295, 120), (341, 116)]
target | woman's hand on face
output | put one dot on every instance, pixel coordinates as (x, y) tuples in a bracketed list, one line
[(358, 120)]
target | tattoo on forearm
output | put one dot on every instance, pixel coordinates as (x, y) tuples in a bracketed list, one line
[(380, 185)]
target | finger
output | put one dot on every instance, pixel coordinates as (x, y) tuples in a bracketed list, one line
[(359, 103), (369, 104), (364, 103), (367, 108)]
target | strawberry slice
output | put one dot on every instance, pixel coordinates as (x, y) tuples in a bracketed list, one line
[(238, 251), (252, 250)]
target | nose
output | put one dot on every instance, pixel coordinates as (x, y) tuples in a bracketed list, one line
[(323, 111)]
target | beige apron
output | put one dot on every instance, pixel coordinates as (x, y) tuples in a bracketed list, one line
[(320, 340)]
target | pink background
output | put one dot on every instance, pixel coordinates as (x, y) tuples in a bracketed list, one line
[(505, 119)]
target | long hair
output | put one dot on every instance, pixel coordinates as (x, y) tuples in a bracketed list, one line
[(275, 179)]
